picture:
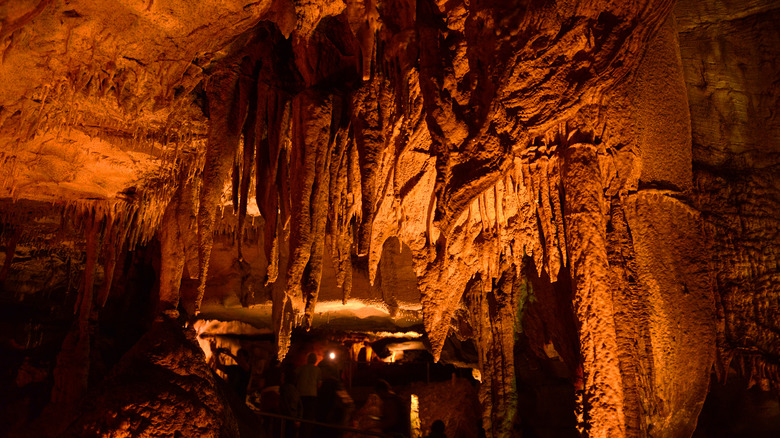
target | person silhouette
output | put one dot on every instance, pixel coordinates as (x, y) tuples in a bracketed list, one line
[(394, 420), (437, 430), (308, 382)]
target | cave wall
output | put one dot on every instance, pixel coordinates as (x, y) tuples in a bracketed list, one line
[(624, 152), (161, 387), (731, 76)]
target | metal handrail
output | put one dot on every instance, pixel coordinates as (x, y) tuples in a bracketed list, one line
[(317, 423)]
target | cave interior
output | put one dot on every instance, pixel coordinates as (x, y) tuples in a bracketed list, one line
[(533, 218)]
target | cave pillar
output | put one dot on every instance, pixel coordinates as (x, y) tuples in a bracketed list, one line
[(585, 216), (673, 275), (675, 315), (662, 115)]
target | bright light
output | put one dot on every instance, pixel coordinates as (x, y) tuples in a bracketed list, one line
[(332, 355), (414, 416)]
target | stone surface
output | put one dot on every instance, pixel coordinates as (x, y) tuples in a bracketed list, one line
[(161, 387), (731, 76), (597, 179)]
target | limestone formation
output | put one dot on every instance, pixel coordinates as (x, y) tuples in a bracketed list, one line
[(594, 178)]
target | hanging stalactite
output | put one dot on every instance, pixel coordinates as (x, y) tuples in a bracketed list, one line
[(228, 94), (312, 112), (71, 372)]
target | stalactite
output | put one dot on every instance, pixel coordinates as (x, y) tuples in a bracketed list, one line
[(396, 167), (493, 311), (364, 22), (283, 169), (227, 92), (272, 270), (341, 211), (312, 145), (547, 219), (72, 368), (113, 245), (172, 256), (370, 141), (384, 223), (452, 176), (498, 225), (557, 212), (442, 280), (236, 179), (354, 214), (267, 161), (251, 134), (302, 165), (94, 222), (284, 327)]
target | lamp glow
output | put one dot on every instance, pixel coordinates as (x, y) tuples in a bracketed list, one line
[(332, 355), (414, 417)]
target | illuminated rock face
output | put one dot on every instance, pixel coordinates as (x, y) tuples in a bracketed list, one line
[(598, 175)]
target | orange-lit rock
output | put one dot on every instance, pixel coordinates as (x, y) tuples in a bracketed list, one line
[(160, 388), (588, 181)]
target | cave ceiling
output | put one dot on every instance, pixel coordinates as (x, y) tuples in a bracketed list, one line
[(599, 175)]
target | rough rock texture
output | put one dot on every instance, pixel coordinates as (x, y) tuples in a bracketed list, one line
[(731, 74), (600, 176), (679, 306), (161, 387)]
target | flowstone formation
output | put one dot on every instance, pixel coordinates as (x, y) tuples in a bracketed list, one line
[(578, 173)]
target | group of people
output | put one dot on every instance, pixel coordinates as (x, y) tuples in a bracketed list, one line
[(384, 412), (313, 397)]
